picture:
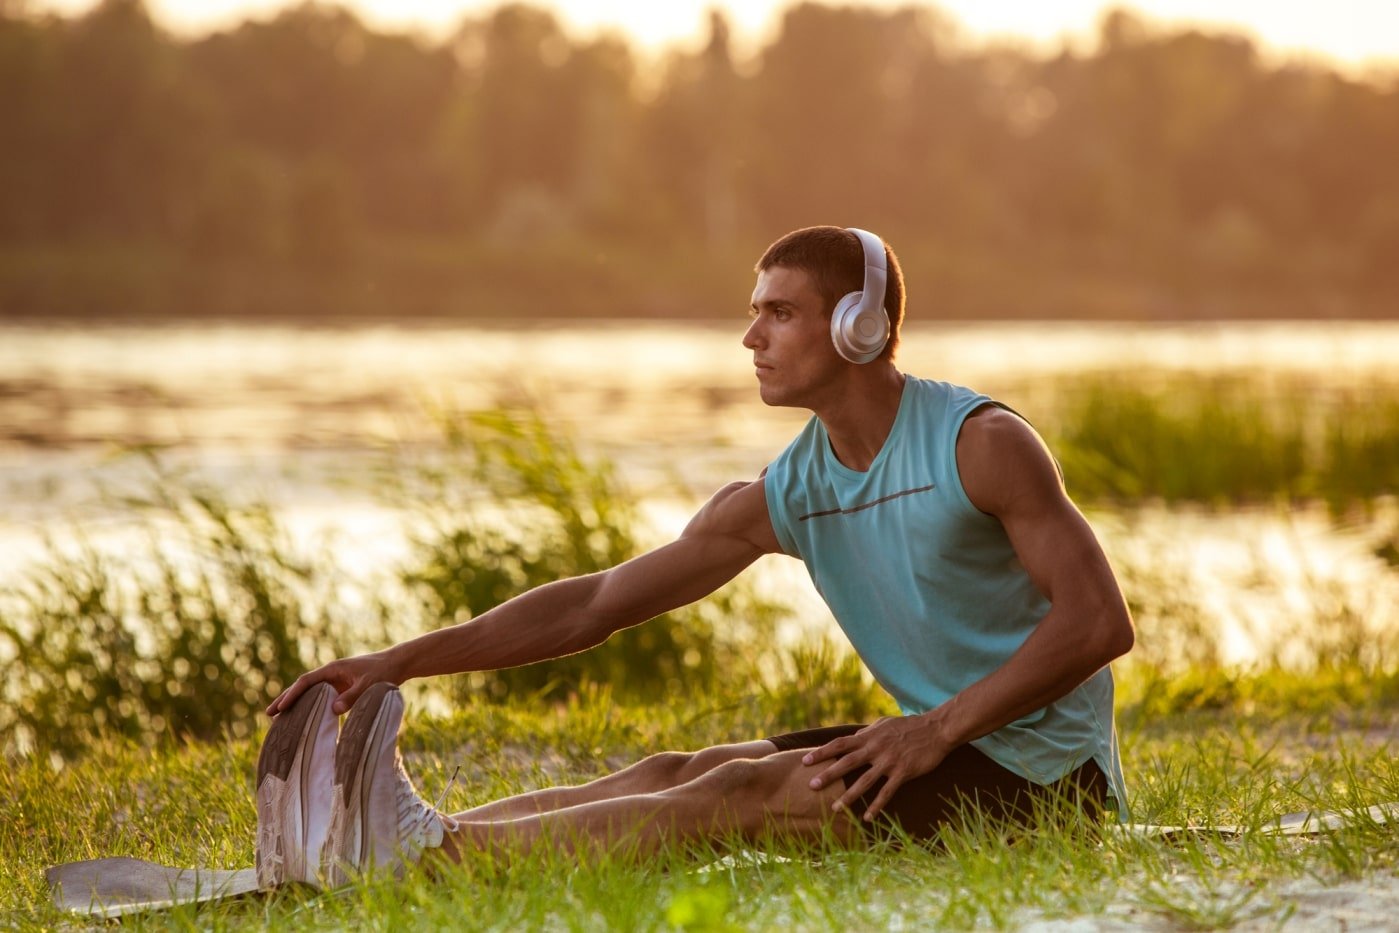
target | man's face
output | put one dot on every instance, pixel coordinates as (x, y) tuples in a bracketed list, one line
[(790, 338)]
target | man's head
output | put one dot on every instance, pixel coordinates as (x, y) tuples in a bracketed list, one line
[(835, 261)]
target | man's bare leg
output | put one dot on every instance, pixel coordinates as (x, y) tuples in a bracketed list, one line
[(380, 823), (650, 775), (743, 797)]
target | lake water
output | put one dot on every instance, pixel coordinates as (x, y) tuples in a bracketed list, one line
[(299, 415)]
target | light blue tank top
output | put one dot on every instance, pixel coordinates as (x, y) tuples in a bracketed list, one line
[(926, 586)]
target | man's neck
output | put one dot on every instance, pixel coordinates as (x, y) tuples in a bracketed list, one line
[(859, 420)]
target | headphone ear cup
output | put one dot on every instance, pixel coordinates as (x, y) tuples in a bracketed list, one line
[(858, 337), (842, 317)]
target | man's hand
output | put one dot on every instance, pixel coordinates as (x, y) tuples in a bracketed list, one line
[(349, 676), (896, 748)]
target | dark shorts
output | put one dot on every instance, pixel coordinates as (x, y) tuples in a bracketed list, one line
[(966, 783)]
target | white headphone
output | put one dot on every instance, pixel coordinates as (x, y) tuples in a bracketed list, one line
[(859, 323)]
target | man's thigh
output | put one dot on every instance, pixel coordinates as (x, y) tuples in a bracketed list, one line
[(715, 755), (966, 784), (674, 768)]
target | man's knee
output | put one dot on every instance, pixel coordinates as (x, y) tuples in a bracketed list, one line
[(666, 768)]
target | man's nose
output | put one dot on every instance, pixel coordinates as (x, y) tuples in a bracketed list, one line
[(753, 337)]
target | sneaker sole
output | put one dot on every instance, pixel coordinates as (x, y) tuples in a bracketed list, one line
[(287, 750), (370, 732)]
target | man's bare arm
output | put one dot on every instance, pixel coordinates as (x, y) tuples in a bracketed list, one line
[(567, 616), (1006, 472)]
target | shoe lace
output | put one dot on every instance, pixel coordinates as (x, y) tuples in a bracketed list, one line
[(421, 825), (451, 782)]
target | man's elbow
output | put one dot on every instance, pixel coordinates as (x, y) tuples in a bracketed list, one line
[(1116, 634), (586, 617)]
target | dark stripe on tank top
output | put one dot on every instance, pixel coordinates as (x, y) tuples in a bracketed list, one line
[(865, 505)]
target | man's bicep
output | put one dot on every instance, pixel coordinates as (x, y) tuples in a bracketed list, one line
[(740, 511), (730, 532), (1061, 553)]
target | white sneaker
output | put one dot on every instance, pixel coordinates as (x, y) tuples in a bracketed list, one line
[(295, 770), (377, 820)]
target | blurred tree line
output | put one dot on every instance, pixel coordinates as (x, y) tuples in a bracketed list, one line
[(307, 166)]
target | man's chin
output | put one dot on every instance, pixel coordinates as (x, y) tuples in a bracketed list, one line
[(775, 398)]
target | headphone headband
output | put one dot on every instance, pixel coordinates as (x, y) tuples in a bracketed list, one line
[(876, 270)]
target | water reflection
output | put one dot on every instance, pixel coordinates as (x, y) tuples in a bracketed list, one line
[(279, 386), (298, 416)]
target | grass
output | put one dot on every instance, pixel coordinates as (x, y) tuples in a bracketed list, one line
[(1229, 763), (1225, 439), (186, 631)]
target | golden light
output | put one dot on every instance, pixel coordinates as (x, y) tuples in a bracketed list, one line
[(1351, 33)]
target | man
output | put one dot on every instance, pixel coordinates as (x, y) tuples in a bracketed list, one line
[(934, 523)]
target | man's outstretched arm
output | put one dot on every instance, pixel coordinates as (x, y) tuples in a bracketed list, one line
[(567, 616), (1006, 472)]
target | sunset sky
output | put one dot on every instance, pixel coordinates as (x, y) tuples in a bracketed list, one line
[(1353, 33)]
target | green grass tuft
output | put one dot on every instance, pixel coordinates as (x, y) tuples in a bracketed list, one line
[(1225, 439)]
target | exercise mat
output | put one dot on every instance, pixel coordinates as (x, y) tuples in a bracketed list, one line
[(1305, 823), (114, 887)]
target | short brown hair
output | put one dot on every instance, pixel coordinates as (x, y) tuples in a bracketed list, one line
[(835, 260)]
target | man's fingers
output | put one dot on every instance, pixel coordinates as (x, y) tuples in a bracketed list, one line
[(853, 792), (893, 780), (841, 766), (882, 798), (306, 681), (832, 749), (347, 699), (288, 696)]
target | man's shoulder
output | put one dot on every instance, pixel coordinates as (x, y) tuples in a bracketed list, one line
[(738, 510), (1000, 457), (994, 428)]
